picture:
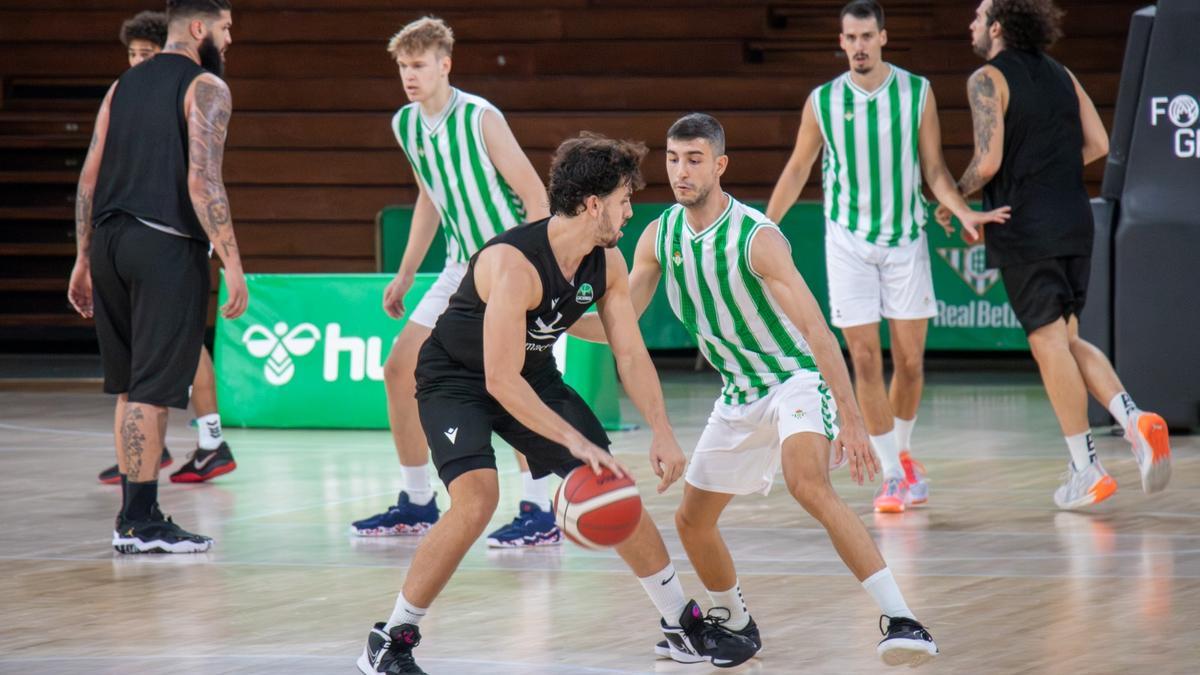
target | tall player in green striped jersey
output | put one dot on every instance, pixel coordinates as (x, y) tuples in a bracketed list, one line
[(473, 178), (878, 125), (730, 279)]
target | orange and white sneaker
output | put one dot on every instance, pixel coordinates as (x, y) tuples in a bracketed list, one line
[(1084, 488), (892, 496), (1151, 448), (914, 475)]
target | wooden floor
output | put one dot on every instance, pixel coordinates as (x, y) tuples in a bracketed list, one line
[(1006, 583)]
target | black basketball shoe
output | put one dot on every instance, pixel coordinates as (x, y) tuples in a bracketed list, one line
[(112, 475), (158, 534), (204, 465), (750, 630), (905, 642), (699, 638), (390, 652)]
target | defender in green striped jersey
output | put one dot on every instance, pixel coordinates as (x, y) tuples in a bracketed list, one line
[(878, 126), (473, 178), (731, 280)]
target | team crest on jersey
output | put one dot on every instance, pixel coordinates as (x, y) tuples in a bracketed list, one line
[(585, 294), (677, 258), (971, 266), (849, 116), (799, 414)]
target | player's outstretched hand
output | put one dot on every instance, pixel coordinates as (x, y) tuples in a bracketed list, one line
[(596, 457), (853, 442), (666, 459), (393, 295)]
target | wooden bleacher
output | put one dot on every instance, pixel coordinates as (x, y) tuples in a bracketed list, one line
[(311, 158)]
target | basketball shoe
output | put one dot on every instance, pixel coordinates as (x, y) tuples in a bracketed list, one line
[(158, 534), (390, 652), (112, 475), (1084, 488), (1151, 448), (914, 475), (750, 630), (205, 465), (905, 642), (698, 638), (405, 518), (893, 495), (531, 527)]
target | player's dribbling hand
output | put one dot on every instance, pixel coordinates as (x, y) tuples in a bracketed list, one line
[(853, 442), (79, 290), (666, 459), (393, 295), (597, 458), (237, 298)]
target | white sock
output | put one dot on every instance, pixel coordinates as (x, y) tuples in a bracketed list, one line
[(536, 490), (416, 483), (739, 616), (889, 454), (903, 431), (405, 612), (208, 432), (1122, 408), (883, 589), (1083, 450), (666, 593)]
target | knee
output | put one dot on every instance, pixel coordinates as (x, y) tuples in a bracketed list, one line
[(1046, 344), (475, 511), (686, 523), (868, 363), (400, 366), (812, 493), (909, 366)]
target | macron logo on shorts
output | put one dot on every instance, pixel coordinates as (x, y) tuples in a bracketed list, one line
[(451, 433)]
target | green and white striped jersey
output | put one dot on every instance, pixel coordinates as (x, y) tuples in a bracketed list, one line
[(871, 168), (723, 302), (451, 160)]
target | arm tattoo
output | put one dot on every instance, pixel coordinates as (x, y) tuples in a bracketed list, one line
[(208, 126), (83, 205), (985, 118)]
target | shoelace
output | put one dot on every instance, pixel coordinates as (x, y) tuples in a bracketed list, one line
[(900, 622), (917, 466)]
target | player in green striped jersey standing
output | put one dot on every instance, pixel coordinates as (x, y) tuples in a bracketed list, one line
[(731, 280), (879, 129), (473, 178)]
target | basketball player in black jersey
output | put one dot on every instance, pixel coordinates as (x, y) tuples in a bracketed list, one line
[(150, 200), (1035, 129), (144, 35), (488, 367)]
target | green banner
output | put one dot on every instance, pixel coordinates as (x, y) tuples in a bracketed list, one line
[(973, 310), (309, 351)]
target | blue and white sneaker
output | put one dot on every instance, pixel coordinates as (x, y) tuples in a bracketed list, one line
[(403, 519), (531, 527)]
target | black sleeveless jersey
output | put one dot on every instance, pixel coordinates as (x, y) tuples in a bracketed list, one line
[(1041, 175), (144, 169), (455, 348)]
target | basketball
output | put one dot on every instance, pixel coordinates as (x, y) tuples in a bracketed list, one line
[(597, 511)]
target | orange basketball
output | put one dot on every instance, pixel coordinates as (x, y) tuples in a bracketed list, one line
[(597, 511)]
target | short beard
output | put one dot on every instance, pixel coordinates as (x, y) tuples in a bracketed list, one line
[(700, 198), (983, 47), (210, 57)]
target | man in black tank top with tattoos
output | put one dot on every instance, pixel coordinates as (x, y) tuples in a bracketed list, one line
[(1035, 129), (488, 367), (150, 201)]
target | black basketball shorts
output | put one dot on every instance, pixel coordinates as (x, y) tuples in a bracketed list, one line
[(459, 417), (1043, 291), (150, 292)]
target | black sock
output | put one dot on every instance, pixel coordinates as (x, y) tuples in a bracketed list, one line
[(140, 499), (124, 496)]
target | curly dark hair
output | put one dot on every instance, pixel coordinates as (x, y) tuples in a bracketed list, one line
[(148, 26), (1029, 25), (591, 164)]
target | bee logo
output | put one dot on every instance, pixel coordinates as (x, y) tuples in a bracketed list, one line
[(278, 347)]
